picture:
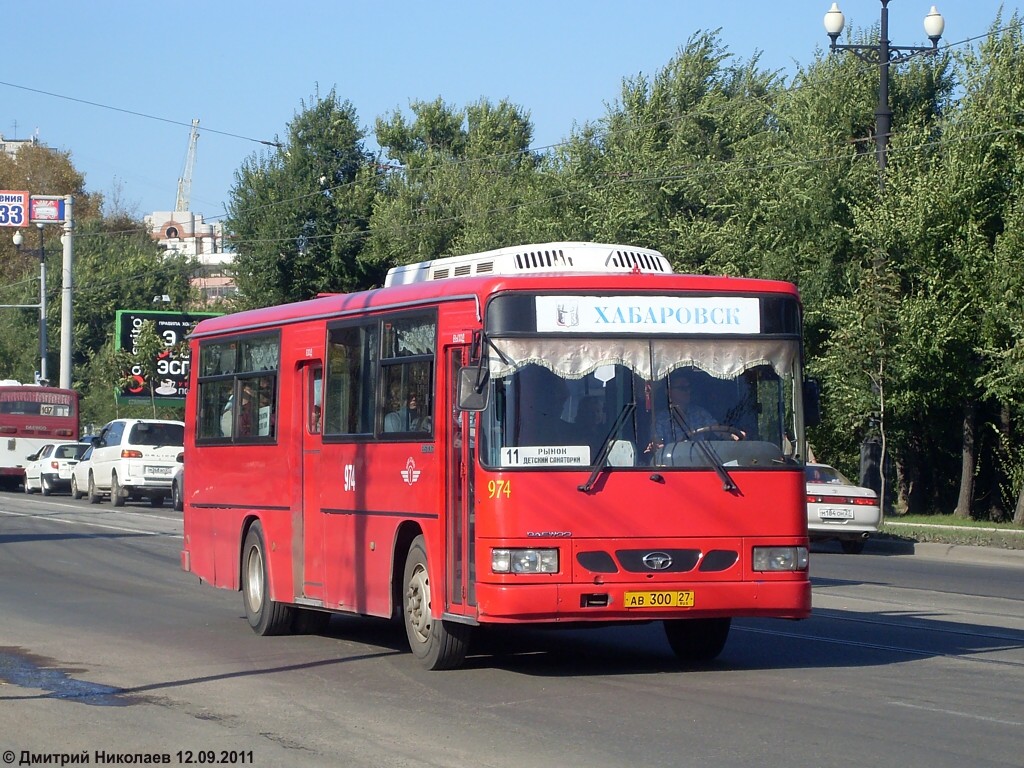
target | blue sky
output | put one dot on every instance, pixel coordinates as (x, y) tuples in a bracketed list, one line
[(245, 68)]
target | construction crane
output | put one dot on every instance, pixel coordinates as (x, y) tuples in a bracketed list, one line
[(185, 182)]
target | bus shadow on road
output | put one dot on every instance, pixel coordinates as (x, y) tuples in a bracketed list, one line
[(830, 639)]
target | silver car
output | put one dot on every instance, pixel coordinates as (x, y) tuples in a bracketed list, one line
[(838, 509)]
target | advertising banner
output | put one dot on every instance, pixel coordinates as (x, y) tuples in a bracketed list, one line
[(171, 384)]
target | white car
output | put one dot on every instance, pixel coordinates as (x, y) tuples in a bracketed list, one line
[(49, 469), (178, 485), (80, 474), (838, 509), (134, 459)]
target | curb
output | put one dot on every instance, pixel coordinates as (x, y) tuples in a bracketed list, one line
[(962, 553), (965, 553)]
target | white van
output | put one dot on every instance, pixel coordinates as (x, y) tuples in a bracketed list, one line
[(135, 459)]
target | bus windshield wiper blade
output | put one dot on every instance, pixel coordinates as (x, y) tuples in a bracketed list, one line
[(728, 484), (606, 448)]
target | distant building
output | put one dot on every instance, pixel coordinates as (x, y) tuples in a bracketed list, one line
[(10, 147), (185, 233)]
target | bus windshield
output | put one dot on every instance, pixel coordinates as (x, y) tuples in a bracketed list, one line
[(556, 403)]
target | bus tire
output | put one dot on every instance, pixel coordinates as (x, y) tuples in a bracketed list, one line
[(94, 495), (438, 644), (266, 616), (75, 492), (117, 495), (696, 641)]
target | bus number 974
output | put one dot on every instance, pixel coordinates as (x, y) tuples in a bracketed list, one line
[(498, 488)]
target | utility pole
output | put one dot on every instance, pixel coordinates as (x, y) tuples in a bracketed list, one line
[(66, 323)]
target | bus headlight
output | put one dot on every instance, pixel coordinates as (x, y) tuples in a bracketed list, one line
[(780, 558), (524, 560)]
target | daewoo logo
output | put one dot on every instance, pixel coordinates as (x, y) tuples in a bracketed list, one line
[(549, 534), (657, 561)]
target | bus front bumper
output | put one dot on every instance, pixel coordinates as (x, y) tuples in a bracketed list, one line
[(552, 603)]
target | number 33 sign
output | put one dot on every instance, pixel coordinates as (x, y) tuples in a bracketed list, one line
[(12, 208)]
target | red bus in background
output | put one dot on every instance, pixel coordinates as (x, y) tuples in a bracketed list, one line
[(31, 416), (504, 438)]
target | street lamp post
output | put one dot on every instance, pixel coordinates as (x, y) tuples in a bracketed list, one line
[(883, 53), (18, 240)]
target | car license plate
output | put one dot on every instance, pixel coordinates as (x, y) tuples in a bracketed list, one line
[(665, 599), (158, 470), (836, 514)]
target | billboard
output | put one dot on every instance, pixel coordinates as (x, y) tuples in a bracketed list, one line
[(12, 208), (171, 385), (46, 209)]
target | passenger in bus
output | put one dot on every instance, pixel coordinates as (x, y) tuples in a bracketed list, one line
[(246, 422), (406, 416), (227, 417)]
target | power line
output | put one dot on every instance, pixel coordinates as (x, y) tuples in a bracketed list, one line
[(137, 114), (444, 163)]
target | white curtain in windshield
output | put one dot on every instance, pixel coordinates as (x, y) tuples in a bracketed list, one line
[(576, 358)]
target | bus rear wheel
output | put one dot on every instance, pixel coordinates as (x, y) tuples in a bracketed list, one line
[(696, 641), (438, 644), (266, 616)]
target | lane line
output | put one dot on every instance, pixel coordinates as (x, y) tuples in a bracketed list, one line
[(88, 524)]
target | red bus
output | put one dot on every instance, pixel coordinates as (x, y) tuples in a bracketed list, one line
[(492, 439), (31, 416)]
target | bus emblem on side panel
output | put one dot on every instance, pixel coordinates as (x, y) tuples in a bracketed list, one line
[(410, 474)]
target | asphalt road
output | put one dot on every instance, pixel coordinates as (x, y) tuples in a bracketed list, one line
[(911, 659)]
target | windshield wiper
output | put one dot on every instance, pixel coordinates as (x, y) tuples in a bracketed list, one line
[(606, 448), (728, 484)]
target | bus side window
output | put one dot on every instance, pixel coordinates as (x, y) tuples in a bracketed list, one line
[(314, 398), (348, 392)]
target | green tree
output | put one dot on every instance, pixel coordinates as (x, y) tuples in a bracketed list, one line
[(41, 171), (146, 356), (299, 216), (461, 180), (118, 266)]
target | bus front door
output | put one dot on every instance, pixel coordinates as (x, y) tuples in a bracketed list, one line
[(308, 564), (460, 533)]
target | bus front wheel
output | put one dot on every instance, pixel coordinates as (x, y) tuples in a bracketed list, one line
[(696, 641), (436, 643), (266, 616)]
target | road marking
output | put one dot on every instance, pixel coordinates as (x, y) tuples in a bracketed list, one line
[(89, 524), (956, 713)]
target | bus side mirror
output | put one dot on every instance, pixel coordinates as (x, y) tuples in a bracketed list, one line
[(812, 403), (473, 388)]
